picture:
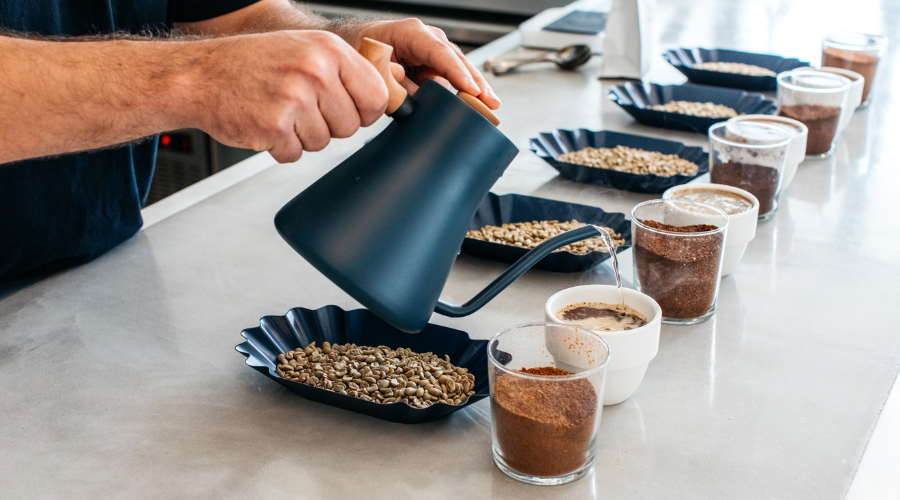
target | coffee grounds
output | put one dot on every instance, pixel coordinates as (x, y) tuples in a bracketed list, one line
[(544, 427), (864, 64), (696, 228), (545, 370), (760, 181), (822, 122), (680, 273)]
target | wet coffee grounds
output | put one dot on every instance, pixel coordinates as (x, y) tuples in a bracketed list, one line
[(602, 317), (680, 273), (760, 181), (822, 122), (544, 427)]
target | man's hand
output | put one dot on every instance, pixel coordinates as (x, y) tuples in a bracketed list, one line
[(425, 52), (286, 92)]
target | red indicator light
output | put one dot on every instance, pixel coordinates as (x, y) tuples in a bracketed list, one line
[(165, 140)]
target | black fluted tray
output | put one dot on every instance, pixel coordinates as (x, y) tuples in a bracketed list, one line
[(550, 145), (636, 99), (498, 210), (684, 59), (299, 327)]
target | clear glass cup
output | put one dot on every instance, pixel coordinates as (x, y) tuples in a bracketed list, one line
[(751, 156), (818, 100), (679, 270), (859, 52), (545, 427)]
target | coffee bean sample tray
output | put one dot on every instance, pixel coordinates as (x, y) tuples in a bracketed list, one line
[(637, 99), (498, 210), (684, 60), (550, 145), (299, 327)]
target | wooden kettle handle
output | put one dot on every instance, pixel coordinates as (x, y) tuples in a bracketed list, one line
[(379, 54), (479, 106)]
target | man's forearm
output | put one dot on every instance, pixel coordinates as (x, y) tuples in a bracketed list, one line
[(274, 15), (60, 97)]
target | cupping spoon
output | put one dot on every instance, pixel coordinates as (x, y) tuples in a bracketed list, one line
[(565, 58)]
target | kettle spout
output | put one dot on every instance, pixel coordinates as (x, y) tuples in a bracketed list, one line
[(520, 267)]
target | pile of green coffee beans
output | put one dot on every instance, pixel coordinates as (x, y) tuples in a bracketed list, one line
[(379, 374)]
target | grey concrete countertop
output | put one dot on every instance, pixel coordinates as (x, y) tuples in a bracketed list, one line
[(119, 379)]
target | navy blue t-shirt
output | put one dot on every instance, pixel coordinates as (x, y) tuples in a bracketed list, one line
[(62, 211)]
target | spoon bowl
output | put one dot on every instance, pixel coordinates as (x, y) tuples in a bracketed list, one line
[(573, 56)]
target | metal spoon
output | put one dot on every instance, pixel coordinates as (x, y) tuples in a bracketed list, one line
[(565, 58)]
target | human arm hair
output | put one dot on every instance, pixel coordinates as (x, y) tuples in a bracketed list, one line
[(58, 97)]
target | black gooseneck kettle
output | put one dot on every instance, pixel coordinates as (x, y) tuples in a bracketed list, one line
[(387, 224)]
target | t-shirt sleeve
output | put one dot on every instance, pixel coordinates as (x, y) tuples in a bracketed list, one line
[(190, 11)]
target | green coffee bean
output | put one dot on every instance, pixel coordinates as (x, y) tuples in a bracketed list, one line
[(378, 374)]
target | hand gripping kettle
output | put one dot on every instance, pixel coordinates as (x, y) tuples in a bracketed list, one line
[(387, 224)]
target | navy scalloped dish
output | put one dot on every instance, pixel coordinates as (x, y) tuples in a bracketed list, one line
[(636, 100), (511, 208), (299, 327), (550, 145), (684, 59)]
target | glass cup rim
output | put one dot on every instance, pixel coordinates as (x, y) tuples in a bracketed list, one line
[(842, 72), (878, 41), (797, 126), (845, 85), (768, 125), (670, 233), (587, 373)]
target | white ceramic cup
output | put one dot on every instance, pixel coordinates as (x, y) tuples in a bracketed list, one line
[(854, 96), (797, 147), (741, 227), (630, 350)]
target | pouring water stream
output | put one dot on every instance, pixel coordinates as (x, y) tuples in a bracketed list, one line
[(615, 261)]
